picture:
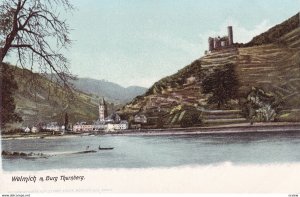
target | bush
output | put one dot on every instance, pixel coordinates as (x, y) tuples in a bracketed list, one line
[(260, 106), (190, 119)]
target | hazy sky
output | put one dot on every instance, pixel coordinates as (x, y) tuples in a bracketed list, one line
[(137, 42)]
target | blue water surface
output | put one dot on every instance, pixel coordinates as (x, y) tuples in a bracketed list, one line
[(155, 151)]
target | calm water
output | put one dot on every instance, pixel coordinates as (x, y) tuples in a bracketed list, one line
[(156, 151)]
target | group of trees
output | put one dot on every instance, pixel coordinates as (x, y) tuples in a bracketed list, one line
[(222, 84), (7, 105), (33, 33)]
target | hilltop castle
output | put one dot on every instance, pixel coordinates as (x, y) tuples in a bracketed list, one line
[(219, 43)]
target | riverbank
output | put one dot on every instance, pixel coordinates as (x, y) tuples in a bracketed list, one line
[(232, 128), (40, 135)]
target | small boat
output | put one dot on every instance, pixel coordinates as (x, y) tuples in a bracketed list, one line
[(108, 148)]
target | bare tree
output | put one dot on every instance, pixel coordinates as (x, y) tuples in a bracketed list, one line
[(34, 31)]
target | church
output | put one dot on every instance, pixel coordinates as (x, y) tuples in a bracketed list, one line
[(109, 122)]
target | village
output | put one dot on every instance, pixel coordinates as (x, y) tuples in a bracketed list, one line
[(105, 123)]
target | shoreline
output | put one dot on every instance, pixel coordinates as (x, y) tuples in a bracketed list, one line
[(231, 128), (14, 137)]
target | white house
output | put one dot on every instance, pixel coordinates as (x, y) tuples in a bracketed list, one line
[(27, 130), (123, 125), (99, 126), (111, 127), (34, 129), (52, 126), (83, 127)]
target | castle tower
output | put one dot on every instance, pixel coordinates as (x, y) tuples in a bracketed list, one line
[(210, 44), (217, 43), (102, 110), (230, 35)]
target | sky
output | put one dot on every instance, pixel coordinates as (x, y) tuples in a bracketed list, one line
[(137, 42)]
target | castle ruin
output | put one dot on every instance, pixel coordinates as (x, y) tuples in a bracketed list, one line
[(219, 43)]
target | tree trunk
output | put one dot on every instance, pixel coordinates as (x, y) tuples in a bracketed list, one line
[(1, 57)]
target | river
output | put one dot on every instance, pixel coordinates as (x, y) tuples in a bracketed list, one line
[(155, 151)]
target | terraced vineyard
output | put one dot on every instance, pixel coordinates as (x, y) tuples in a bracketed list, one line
[(215, 117), (273, 67)]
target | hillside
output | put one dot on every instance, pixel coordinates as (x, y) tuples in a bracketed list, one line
[(47, 102), (110, 91), (273, 34), (272, 66)]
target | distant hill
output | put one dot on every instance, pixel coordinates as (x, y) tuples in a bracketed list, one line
[(43, 101), (47, 102), (109, 90), (271, 61)]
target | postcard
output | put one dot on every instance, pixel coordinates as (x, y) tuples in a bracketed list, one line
[(152, 96)]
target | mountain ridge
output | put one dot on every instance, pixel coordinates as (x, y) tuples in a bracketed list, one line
[(109, 90)]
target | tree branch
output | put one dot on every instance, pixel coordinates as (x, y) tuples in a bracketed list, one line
[(20, 45)]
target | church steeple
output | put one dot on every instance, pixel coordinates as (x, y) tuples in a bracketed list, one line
[(102, 110)]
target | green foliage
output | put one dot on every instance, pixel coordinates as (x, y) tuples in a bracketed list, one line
[(275, 32), (190, 119), (260, 106), (223, 84), (8, 86)]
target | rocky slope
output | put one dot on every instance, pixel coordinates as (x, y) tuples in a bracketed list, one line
[(272, 66)]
